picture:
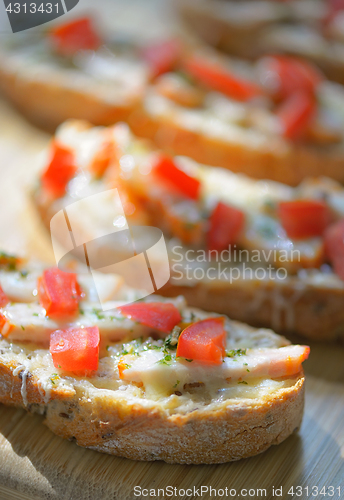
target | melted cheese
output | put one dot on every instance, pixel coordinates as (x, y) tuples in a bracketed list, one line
[(29, 321), (153, 371), (31, 360)]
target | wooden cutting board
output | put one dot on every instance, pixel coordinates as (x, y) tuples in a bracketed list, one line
[(36, 464)]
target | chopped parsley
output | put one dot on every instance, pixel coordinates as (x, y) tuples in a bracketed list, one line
[(8, 261), (166, 360), (129, 348), (242, 382), (98, 313), (149, 346), (235, 352), (176, 384)]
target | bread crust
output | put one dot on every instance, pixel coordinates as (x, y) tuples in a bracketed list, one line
[(290, 166), (109, 423), (288, 308), (47, 103)]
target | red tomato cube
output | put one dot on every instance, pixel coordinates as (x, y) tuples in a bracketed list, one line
[(203, 341), (162, 316), (59, 292), (75, 349)]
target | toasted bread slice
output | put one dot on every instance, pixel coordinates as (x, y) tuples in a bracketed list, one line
[(49, 91), (181, 115), (143, 402), (290, 287)]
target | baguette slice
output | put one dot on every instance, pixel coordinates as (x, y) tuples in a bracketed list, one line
[(306, 299), (211, 414)]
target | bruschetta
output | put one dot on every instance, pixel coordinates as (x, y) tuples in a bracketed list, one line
[(313, 29), (149, 380), (262, 252), (52, 77), (278, 118)]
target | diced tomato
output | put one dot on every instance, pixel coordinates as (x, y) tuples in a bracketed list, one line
[(296, 113), (59, 292), (79, 34), (75, 349), (285, 75), (5, 325), (334, 246), (162, 316), (218, 78), (226, 224), (176, 178), (103, 158), (4, 300), (304, 218), (60, 170), (162, 57), (203, 341)]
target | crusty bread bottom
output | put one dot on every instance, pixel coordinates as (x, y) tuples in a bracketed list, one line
[(104, 421), (47, 103), (288, 308), (291, 166)]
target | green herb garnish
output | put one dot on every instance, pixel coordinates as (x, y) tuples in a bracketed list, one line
[(235, 352), (166, 360), (98, 313)]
